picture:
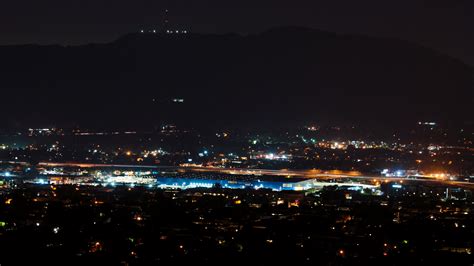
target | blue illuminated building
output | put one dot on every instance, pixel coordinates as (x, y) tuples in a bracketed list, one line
[(184, 183)]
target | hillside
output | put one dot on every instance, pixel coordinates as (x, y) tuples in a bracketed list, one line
[(284, 74)]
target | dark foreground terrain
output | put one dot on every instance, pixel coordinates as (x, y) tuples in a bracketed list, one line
[(67, 225)]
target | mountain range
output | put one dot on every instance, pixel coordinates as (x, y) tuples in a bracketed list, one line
[(280, 76)]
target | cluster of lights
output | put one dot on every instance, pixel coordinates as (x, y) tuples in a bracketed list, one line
[(167, 31), (204, 153), (439, 175), (150, 31), (176, 31), (41, 181), (427, 123), (397, 173), (272, 157), (129, 180)]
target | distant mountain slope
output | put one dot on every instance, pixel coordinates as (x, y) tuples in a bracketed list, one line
[(282, 74)]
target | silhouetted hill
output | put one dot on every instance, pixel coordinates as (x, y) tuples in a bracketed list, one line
[(284, 74)]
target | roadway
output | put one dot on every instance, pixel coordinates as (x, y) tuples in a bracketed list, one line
[(309, 174)]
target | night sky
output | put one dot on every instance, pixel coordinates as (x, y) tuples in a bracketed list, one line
[(445, 25)]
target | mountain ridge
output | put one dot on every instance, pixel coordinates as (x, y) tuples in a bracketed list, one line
[(286, 68)]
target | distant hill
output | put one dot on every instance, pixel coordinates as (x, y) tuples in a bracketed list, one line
[(282, 75)]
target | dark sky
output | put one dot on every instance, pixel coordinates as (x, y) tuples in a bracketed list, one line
[(445, 25)]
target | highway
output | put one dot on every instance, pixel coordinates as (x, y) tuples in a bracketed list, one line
[(309, 174)]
